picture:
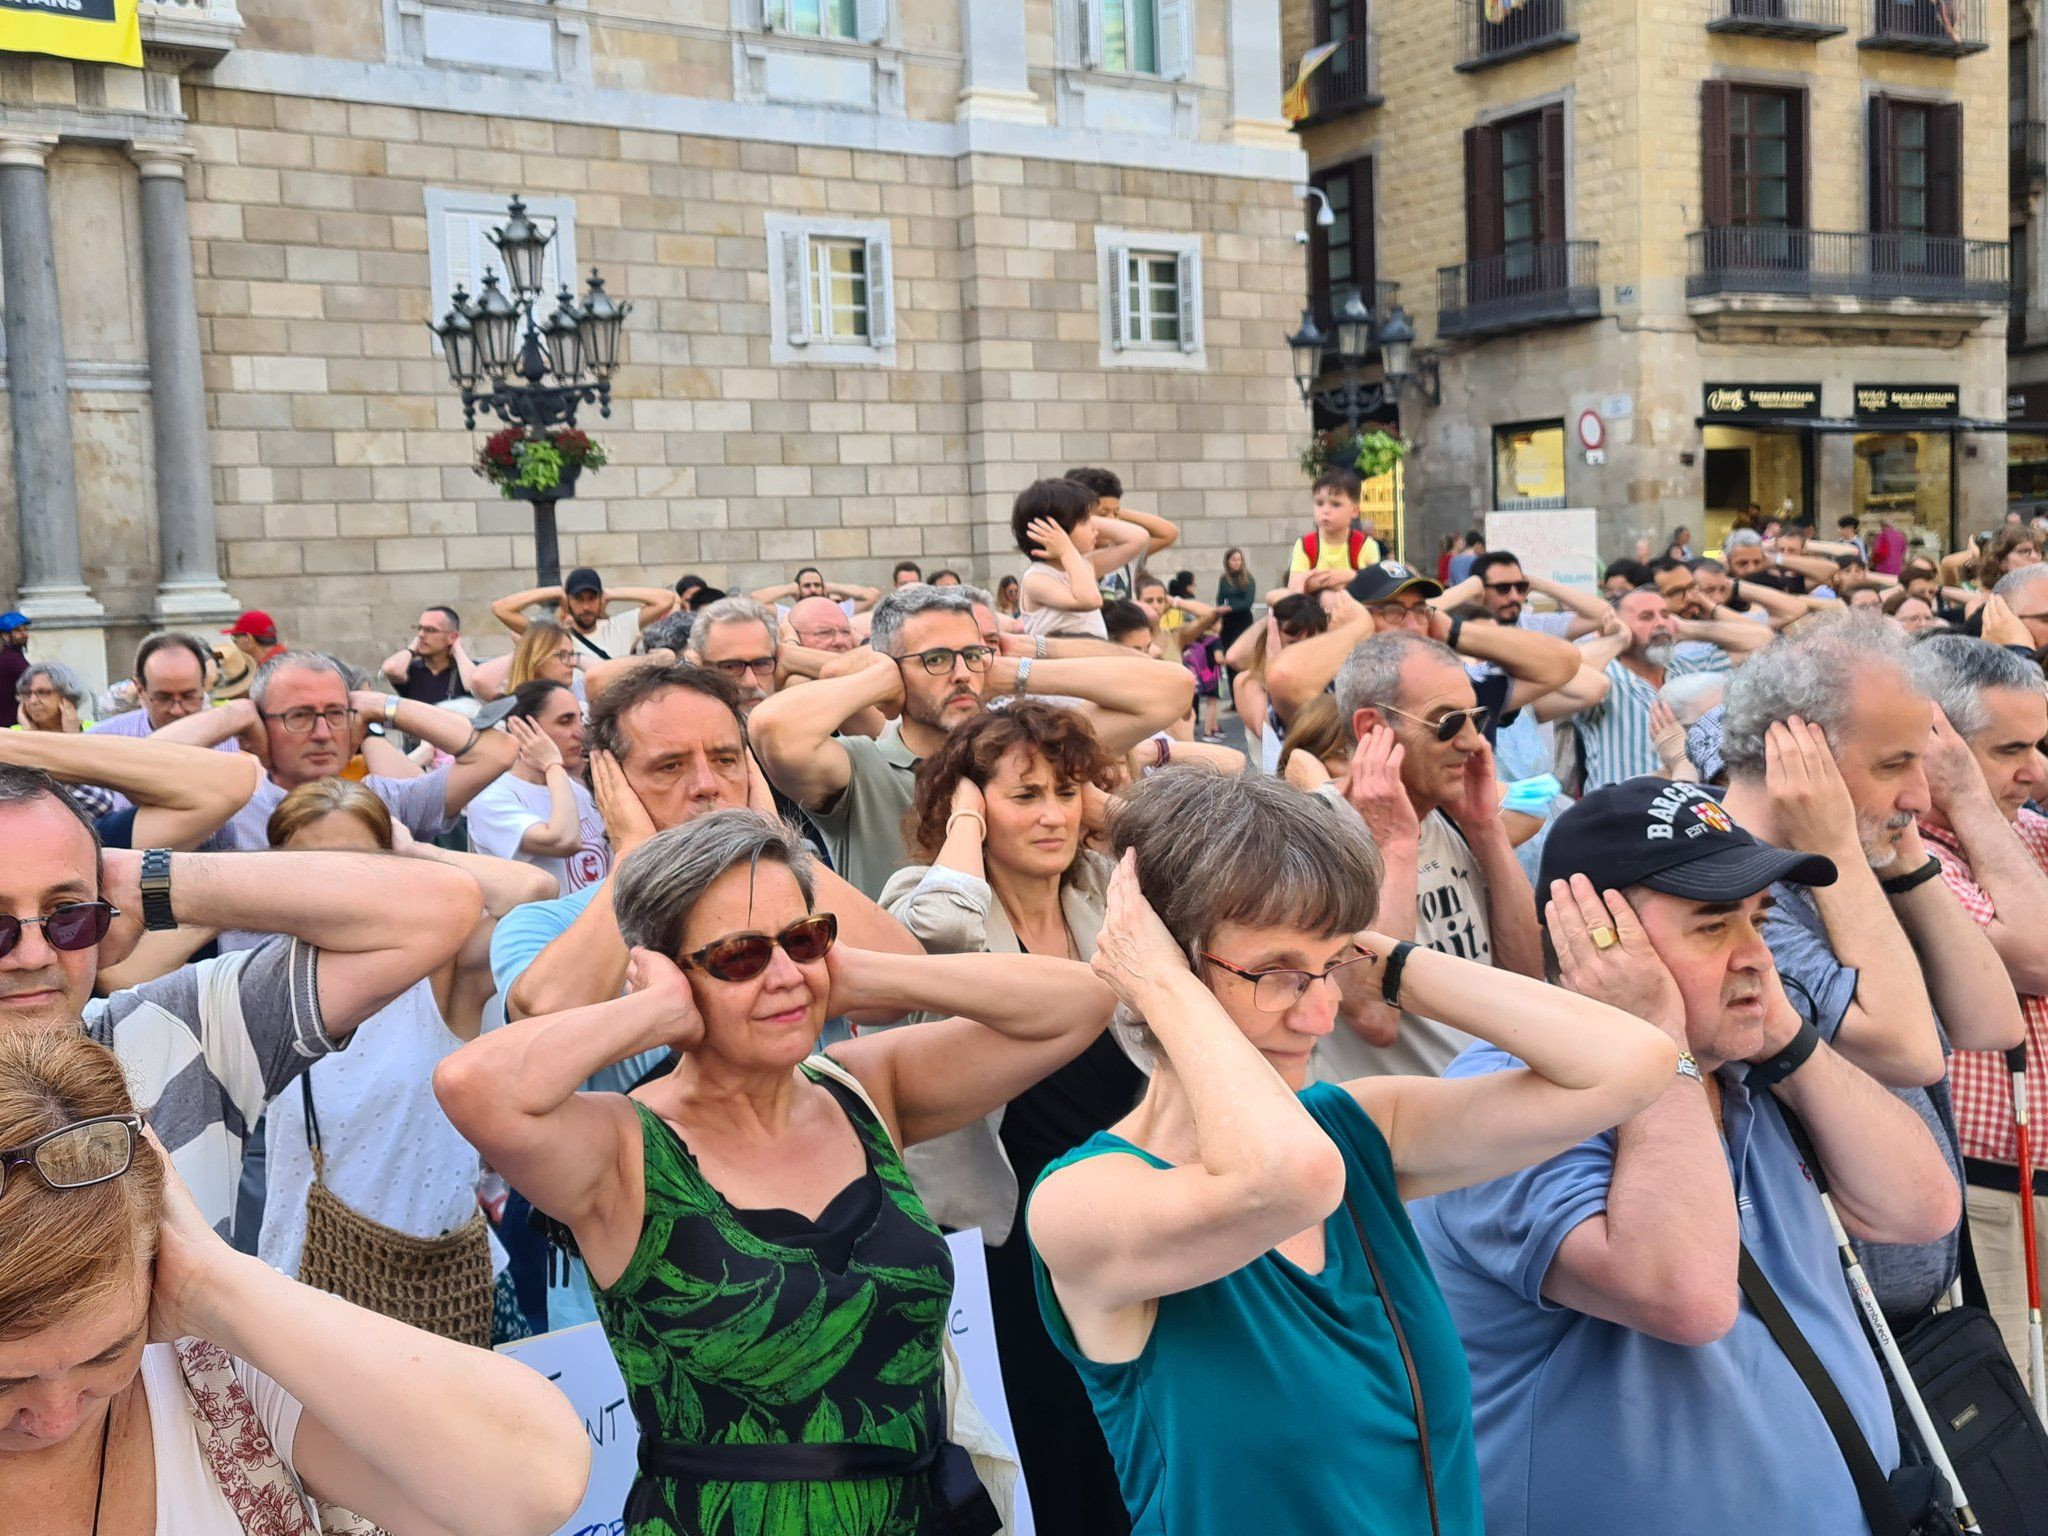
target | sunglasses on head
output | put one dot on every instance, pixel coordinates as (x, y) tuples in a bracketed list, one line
[(75, 925), (1448, 727), (746, 955)]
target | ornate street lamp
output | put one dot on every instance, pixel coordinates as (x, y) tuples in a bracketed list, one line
[(1357, 335), (532, 370)]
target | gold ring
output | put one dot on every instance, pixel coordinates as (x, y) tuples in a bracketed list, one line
[(1604, 937)]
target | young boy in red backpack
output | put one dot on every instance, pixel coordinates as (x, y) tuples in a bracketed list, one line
[(1327, 555)]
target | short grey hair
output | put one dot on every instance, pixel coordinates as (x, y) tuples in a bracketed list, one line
[(980, 595), (1371, 674), (659, 882), (905, 604), (62, 678), (2013, 583), (1693, 695), (1742, 538), (1247, 849), (668, 634), (736, 610), (1956, 670), (296, 661), (1810, 675)]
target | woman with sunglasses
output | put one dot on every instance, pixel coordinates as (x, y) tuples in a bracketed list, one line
[(1229, 1267), (775, 1292), (152, 1379)]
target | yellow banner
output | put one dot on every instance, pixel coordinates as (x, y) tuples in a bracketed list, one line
[(1294, 104), (100, 31)]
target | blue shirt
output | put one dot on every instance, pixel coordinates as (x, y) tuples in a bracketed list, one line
[(1273, 1400), (1907, 1277), (522, 934), (1585, 1426)]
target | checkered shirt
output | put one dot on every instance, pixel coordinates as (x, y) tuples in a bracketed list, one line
[(1978, 1080)]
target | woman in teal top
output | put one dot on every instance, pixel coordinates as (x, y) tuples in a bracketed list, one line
[(1208, 1263)]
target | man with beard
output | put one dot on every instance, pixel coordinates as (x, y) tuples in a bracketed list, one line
[(580, 607), (1616, 738), (1823, 737), (735, 637), (932, 668), (1499, 584)]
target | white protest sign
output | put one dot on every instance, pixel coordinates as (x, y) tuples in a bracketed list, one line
[(579, 1361), (1561, 545)]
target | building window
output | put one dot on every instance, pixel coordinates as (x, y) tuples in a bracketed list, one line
[(1916, 151), (1528, 465), (1515, 189), (1341, 256), (1138, 37), (459, 249), (822, 18), (830, 297), (1521, 194), (1753, 156), (1152, 298)]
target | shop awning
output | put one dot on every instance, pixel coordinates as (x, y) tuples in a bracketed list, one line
[(1848, 424)]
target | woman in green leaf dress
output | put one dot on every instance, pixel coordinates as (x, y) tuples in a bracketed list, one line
[(773, 1289)]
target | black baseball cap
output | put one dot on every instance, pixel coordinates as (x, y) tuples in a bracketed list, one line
[(583, 579), (1672, 837), (1381, 580)]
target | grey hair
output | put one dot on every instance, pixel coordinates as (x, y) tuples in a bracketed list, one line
[(1955, 671), (659, 882), (1371, 674), (979, 595), (668, 634), (1248, 849), (736, 610), (905, 604), (1693, 695), (1811, 674), (62, 678), (295, 661), (2013, 583), (1742, 538)]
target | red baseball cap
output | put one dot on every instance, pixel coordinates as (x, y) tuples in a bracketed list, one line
[(256, 624)]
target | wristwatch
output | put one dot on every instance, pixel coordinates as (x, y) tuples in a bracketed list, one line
[(1688, 1066), (1766, 1074), (1023, 682), (156, 891), (391, 709)]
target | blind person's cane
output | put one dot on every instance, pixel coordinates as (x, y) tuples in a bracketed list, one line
[(2037, 1377)]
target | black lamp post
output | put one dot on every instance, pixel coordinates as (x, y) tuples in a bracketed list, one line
[(1357, 334), (530, 371)]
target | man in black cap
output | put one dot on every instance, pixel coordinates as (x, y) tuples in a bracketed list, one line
[(580, 607), (1388, 597), (1571, 1282)]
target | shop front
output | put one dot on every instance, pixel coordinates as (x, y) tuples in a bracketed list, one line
[(2026, 452), (1905, 452), (1759, 452)]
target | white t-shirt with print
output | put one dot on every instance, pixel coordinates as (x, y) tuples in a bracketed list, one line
[(506, 807), (188, 1499)]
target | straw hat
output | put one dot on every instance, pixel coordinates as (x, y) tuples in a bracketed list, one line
[(233, 671)]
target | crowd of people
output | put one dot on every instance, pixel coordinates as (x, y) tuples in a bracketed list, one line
[(1415, 1119)]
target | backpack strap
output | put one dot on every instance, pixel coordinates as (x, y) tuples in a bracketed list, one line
[(1312, 547), (1357, 546)]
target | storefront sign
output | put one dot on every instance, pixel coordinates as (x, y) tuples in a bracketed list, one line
[(1879, 401), (1761, 402), (100, 31)]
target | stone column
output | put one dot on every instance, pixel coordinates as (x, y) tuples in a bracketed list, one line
[(69, 620), (1255, 75), (994, 81), (189, 591)]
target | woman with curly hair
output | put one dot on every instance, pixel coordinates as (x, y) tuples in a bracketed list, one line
[(997, 825)]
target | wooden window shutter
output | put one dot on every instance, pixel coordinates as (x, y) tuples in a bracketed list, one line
[(1717, 180), (1319, 250), (1798, 123), (796, 288), (1944, 169), (1320, 14), (1364, 258), (1185, 268), (1119, 274), (1551, 163), (1884, 200), (881, 296), (1482, 193)]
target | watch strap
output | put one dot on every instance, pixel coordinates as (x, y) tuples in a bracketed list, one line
[(156, 891), (1023, 683), (1898, 885), (1390, 975), (1768, 1074)]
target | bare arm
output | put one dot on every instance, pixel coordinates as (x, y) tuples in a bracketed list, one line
[(511, 611), (1119, 541), (862, 598), (2001, 865), (397, 665), (183, 795), (465, 669), (1537, 662), (791, 732), (480, 756), (1589, 607), (1159, 534), (1126, 698), (784, 593), (1305, 668), (656, 603), (488, 679), (562, 833), (1735, 635), (1239, 657), (1782, 607), (1587, 689)]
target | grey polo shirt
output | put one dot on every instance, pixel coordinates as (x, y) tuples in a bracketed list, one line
[(863, 827)]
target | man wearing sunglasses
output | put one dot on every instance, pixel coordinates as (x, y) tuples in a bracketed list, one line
[(933, 668), (1422, 778), (304, 724), (1500, 585), (207, 1046)]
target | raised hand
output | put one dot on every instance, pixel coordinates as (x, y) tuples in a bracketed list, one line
[(655, 976), (1134, 950), (1810, 803), (1053, 543), (537, 750), (626, 821), (1373, 786), (1953, 775), (1625, 974), (968, 800), (1666, 734), (189, 1254), (1479, 791)]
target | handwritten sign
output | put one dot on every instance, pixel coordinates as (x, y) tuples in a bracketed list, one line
[(1562, 544), (579, 1361)]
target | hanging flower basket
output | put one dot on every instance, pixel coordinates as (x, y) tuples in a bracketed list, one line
[(1370, 454), (526, 465)]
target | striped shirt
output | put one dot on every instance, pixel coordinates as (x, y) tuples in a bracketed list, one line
[(1614, 735)]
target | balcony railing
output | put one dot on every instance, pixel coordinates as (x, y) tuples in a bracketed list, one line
[(1527, 286), (1347, 83), (1948, 28), (1812, 263), (1797, 20), (2029, 151), (1530, 27)]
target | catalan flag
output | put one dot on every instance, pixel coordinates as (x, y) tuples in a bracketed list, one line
[(1294, 105)]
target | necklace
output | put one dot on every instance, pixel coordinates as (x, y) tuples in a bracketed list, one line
[(100, 1491)]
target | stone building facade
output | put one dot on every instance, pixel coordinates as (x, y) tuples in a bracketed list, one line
[(1076, 217), (1755, 250)]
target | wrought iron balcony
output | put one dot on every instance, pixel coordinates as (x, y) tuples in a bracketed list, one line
[(1812, 263), (1794, 20), (1947, 28), (205, 30), (1529, 286), (1347, 84), (2029, 156), (1492, 32)]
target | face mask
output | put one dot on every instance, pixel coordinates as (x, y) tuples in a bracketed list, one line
[(1532, 797)]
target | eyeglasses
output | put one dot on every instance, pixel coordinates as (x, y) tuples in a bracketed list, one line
[(78, 1156), (75, 925), (1278, 991), (166, 700), (745, 955), (431, 629), (1451, 724), (1519, 588), (299, 721), (1398, 613), (940, 658), (760, 666)]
